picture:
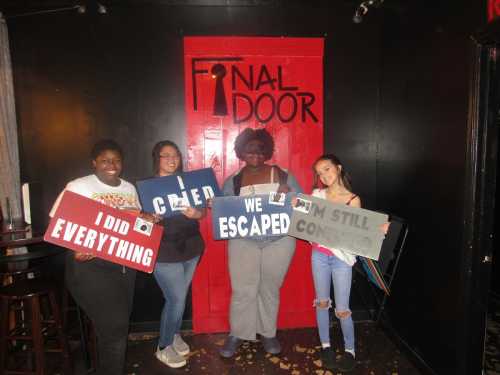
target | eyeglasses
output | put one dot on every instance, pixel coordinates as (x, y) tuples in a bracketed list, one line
[(170, 157), (254, 152), (254, 149)]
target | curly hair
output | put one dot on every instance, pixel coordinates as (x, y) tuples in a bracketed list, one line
[(248, 135), (104, 145)]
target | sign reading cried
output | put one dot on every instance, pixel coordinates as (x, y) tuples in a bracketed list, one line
[(350, 229), (264, 215), (169, 195), (84, 225)]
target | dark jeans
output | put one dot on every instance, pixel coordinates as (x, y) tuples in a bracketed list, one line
[(106, 296)]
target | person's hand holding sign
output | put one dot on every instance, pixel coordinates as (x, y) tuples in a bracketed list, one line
[(384, 228), (153, 218), (194, 213), (83, 257), (284, 188)]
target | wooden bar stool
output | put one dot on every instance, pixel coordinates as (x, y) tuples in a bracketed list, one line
[(13, 271), (33, 331)]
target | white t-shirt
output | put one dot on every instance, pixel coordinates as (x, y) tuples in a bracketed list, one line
[(348, 258), (123, 196)]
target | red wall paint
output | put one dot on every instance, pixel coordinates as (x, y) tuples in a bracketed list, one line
[(282, 80), (493, 9)]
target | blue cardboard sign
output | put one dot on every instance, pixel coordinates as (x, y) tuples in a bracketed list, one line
[(256, 216), (169, 195)]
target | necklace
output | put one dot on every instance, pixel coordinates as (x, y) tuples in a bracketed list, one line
[(335, 196), (255, 170)]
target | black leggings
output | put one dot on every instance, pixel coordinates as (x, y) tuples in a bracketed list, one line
[(106, 296)]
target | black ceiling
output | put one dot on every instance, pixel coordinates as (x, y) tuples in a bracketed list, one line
[(11, 8)]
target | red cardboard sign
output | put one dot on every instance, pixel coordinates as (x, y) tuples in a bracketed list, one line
[(85, 225)]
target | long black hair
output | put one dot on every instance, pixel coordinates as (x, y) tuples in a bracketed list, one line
[(156, 155), (345, 179)]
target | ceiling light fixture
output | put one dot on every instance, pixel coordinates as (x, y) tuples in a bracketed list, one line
[(363, 8)]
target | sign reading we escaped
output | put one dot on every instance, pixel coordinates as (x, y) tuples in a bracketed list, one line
[(257, 216), (85, 225)]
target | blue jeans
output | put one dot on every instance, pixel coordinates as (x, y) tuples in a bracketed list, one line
[(174, 280), (325, 268)]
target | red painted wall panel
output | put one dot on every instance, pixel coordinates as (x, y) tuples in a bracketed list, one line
[(493, 9), (236, 82)]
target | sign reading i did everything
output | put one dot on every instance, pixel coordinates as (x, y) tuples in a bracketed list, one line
[(256, 216), (169, 195), (350, 229), (85, 225)]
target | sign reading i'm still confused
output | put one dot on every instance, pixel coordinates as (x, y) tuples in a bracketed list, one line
[(84, 225), (350, 229)]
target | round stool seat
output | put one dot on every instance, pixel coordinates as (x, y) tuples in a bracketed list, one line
[(17, 268), (27, 288)]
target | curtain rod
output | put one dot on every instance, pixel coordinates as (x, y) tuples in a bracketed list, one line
[(43, 12)]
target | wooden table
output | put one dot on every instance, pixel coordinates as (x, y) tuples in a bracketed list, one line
[(36, 251), (19, 238)]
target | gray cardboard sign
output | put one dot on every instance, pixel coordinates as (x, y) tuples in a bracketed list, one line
[(353, 230)]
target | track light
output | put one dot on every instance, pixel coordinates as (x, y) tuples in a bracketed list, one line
[(91, 7), (101, 9), (82, 7), (363, 8)]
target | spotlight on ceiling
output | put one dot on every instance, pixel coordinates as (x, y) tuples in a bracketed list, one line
[(363, 8), (101, 9)]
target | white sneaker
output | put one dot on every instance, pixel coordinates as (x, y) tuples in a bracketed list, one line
[(170, 357), (180, 345)]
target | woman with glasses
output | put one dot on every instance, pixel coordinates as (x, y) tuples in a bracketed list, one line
[(257, 267), (180, 250)]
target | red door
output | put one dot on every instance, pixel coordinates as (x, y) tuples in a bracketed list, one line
[(236, 82)]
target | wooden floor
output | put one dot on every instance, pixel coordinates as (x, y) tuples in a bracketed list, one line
[(375, 355)]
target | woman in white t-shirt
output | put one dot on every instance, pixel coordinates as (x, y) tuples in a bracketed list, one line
[(104, 290)]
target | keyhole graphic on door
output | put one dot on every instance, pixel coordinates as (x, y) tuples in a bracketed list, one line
[(220, 105)]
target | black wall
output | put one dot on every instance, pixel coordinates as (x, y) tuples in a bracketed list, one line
[(79, 78), (396, 99), (421, 168), (82, 77)]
